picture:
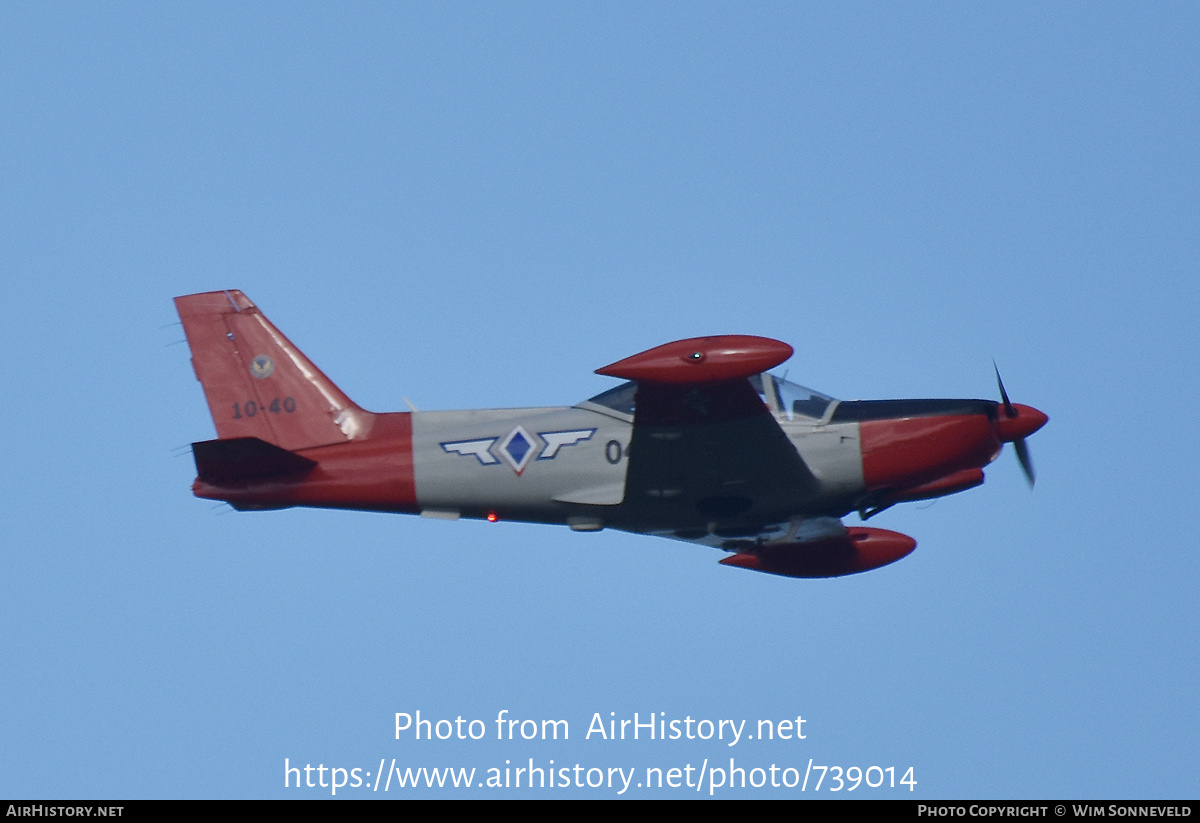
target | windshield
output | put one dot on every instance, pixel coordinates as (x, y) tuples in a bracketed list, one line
[(790, 399), (780, 396), (619, 399)]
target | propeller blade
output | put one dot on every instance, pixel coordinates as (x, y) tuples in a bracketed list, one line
[(1009, 409), (1025, 461)]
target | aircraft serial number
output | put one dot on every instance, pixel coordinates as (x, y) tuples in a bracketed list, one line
[(251, 408)]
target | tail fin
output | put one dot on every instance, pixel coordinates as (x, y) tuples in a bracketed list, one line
[(257, 383)]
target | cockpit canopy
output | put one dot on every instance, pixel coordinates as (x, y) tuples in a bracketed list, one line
[(789, 399), (784, 398)]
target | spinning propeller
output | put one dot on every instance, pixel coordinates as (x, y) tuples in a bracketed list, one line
[(1018, 423)]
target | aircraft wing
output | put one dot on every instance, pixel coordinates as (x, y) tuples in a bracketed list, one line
[(705, 450)]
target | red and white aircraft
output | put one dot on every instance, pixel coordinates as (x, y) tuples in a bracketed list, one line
[(702, 444)]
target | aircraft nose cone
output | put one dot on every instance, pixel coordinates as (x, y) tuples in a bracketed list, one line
[(1026, 422)]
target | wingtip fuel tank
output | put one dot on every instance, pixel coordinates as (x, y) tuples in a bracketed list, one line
[(702, 360)]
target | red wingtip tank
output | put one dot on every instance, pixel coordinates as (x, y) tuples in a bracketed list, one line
[(860, 549), (702, 360)]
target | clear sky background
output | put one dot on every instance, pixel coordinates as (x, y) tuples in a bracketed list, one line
[(477, 205)]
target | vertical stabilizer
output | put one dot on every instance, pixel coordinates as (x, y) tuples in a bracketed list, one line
[(257, 383)]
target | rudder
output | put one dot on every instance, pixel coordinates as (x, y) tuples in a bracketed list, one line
[(257, 383)]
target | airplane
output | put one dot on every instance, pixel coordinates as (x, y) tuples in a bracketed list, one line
[(701, 443)]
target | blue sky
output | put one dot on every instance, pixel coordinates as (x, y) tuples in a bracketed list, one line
[(478, 205)]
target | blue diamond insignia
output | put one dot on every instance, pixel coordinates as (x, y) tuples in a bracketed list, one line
[(518, 447)]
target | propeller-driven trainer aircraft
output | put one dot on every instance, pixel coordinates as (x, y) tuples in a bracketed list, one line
[(701, 443)]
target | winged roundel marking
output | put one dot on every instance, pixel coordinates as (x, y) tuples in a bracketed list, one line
[(517, 448)]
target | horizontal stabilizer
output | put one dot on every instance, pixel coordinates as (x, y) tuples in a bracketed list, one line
[(220, 462)]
